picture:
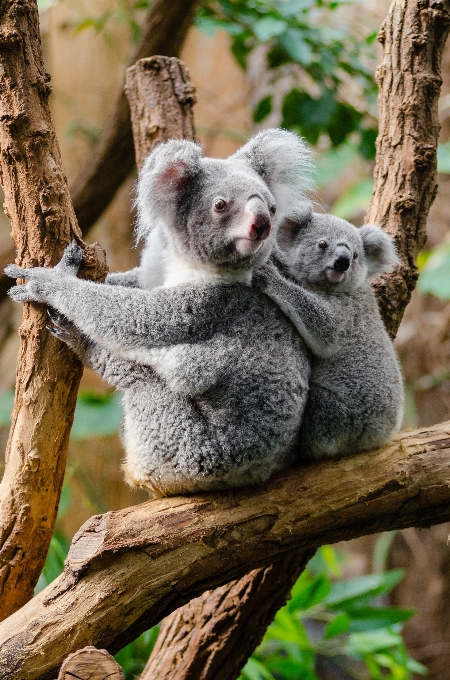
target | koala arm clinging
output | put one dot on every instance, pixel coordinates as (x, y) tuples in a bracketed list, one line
[(115, 316), (318, 318)]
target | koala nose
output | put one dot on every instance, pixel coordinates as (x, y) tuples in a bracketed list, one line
[(260, 227), (342, 261)]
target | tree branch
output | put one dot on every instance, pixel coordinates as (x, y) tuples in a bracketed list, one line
[(127, 569), (409, 77), (43, 222)]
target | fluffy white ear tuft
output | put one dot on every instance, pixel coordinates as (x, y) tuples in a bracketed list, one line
[(284, 162), (379, 249), (165, 175)]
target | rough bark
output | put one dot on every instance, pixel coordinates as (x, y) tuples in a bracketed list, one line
[(409, 78), (90, 664), (112, 158), (211, 635), (161, 98), (43, 222), (128, 569), (413, 35)]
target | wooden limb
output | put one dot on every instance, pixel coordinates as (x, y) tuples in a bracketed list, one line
[(213, 635), (161, 98), (413, 35), (43, 222), (111, 160), (409, 77), (90, 664), (128, 569)]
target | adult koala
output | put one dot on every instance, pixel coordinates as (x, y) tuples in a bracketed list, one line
[(321, 281), (214, 376)]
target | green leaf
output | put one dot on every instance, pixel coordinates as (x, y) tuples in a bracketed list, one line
[(293, 42), (367, 643), (355, 200), (359, 590), (367, 145), (255, 670), (306, 594), (263, 109), (372, 618), (434, 276), (287, 628), (337, 626), (268, 27)]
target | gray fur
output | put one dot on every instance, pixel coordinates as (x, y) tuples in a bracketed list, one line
[(214, 376), (355, 400)]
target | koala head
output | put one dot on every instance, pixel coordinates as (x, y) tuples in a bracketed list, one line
[(222, 213), (328, 253)]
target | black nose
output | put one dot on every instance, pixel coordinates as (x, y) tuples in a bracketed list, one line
[(342, 263), (261, 226)]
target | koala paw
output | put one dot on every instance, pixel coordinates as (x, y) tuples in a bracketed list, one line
[(20, 294), (71, 259), (65, 330)]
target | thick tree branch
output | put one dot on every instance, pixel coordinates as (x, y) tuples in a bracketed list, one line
[(413, 35), (43, 222), (127, 569)]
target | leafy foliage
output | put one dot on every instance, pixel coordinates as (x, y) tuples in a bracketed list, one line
[(337, 620), (300, 32)]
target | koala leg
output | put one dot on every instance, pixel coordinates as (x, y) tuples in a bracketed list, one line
[(114, 370), (327, 429)]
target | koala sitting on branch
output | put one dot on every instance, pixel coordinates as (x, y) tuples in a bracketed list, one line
[(214, 376), (321, 281)]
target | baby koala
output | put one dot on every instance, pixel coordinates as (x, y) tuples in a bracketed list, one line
[(321, 282), (214, 376)]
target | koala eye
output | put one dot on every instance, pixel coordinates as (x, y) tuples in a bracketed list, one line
[(323, 245), (355, 255), (219, 204), (272, 209)]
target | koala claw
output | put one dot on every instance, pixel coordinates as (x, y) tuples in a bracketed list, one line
[(72, 257), (21, 294), (16, 272)]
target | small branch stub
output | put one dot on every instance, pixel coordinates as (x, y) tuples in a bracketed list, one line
[(161, 98), (90, 664)]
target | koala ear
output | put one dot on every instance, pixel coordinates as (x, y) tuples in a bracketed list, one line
[(293, 224), (165, 175), (379, 249), (283, 161)]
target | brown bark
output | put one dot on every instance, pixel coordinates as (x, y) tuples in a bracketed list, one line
[(112, 158), (90, 664), (413, 35), (129, 568), (211, 635), (409, 78), (43, 222), (161, 98)]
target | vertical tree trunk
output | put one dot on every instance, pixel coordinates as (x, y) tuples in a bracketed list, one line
[(413, 35), (43, 222)]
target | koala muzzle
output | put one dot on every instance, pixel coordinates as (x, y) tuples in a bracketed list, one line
[(260, 227), (342, 261)]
